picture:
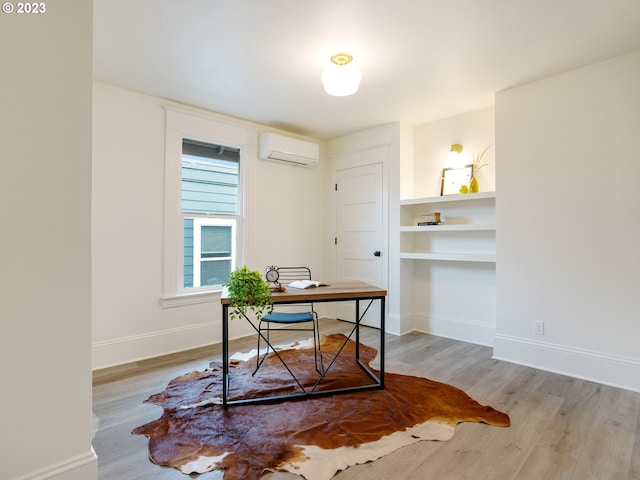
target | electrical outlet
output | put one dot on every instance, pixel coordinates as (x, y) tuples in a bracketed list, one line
[(538, 328)]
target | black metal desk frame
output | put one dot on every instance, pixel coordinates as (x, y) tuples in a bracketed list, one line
[(378, 380)]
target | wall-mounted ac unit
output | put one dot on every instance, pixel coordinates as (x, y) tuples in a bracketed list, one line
[(286, 149)]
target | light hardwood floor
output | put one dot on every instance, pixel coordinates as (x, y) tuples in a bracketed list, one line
[(562, 428)]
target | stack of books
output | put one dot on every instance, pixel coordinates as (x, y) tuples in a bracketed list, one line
[(432, 218)]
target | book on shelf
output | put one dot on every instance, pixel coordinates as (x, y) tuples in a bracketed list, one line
[(302, 284), (430, 217), (423, 224)]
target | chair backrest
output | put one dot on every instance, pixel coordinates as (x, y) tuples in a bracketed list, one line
[(288, 275)]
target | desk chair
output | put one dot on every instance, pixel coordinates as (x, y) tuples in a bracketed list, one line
[(304, 319)]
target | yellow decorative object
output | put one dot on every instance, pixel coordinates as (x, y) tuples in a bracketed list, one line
[(464, 189), (473, 185), (477, 165), (456, 148)]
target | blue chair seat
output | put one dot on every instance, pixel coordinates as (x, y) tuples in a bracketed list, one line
[(288, 317)]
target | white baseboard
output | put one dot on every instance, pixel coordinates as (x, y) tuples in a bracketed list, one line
[(613, 370), (456, 328), (81, 467), (398, 324), (134, 348)]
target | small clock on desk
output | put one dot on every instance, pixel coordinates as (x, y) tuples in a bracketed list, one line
[(272, 275)]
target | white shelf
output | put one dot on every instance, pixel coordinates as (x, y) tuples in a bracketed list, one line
[(454, 257), (449, 198), (466, 214), (462, 227)]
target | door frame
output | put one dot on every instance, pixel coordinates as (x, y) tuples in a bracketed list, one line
[(360, 158)]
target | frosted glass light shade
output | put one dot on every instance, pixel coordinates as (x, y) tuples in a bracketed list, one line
[(341, 80)]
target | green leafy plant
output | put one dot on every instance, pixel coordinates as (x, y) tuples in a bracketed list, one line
[(249, 293)]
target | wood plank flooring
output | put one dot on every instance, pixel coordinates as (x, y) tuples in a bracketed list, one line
[(562, 428)]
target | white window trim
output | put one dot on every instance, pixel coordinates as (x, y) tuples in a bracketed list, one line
[(181, 124), (198, 222)]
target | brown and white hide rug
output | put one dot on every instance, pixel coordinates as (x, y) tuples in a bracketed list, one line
[(313, 437)]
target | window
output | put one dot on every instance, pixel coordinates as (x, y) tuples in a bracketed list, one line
[(209, 205), (209, 253), (204, 205)]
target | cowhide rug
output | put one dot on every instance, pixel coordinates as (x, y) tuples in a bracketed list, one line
[(312, 437)]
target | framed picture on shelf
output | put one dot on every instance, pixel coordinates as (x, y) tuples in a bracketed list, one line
[(454, 178)]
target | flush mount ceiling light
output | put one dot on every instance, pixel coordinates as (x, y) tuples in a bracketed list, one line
[(341, 78)]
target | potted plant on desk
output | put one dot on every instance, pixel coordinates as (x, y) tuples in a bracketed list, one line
[(248, 291)]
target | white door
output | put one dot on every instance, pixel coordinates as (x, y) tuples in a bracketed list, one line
[(359, 230)]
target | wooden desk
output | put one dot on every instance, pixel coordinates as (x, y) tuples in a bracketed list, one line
[(337, 292)]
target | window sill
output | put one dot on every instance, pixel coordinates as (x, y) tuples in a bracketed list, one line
[(190, 299)]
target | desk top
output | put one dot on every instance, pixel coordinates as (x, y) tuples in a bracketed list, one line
[(327, 293)]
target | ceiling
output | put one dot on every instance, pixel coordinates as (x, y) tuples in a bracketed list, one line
[(421, 60)]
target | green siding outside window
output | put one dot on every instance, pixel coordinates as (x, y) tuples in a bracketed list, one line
[(209, 202)]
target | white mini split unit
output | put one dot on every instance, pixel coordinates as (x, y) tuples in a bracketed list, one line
[(279, 148)]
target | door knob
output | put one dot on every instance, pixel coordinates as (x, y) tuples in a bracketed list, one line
[(376, 253)]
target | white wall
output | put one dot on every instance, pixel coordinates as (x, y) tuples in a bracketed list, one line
[(45, 258), (452, 299), (569, 222), (432, 144), (285, 226)]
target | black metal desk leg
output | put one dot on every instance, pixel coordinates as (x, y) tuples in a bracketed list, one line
[(382, 336), (225, 354), (357, 329)]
